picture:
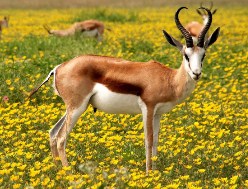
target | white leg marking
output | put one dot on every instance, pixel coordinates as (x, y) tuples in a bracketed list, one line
[(54, 131), (156, 128), (144, 116), (53, 135)]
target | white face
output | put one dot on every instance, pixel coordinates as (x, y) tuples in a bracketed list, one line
[(193, 58)]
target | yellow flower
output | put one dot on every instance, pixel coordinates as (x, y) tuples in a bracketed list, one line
[(238, 153), (201, 170), (172, 186), (216, 181), (14, 177), (185, 177), (11, 88), (234, 179), (45, 181), (16, 186), (154, 158), (114, 161), (42, 146), (246, 183), (29, 155), (111, 176), (188, 166), (8, 82), (34, 172)]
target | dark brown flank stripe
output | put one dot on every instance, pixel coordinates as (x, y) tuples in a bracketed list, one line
[(117, 86)]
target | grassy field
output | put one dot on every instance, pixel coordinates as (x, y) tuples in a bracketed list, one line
[(203, 142)]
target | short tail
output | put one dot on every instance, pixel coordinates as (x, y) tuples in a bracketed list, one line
[(46, 80)]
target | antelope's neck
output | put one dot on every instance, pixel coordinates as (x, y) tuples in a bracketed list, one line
[(184, 84), (205, 20)]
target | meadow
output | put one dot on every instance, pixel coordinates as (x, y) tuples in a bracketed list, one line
[(203, 141)]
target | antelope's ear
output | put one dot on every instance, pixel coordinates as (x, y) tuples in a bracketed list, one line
[(199, 12), (173, 41), (212, 38), (214, 11)]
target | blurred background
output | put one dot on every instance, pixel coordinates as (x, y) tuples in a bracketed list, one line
[(4, 4)]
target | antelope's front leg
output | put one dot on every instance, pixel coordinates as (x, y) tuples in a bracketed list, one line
[(148, 130), (156, 128)]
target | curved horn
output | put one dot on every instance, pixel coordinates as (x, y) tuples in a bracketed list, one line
[(186, 34), (203, 11), (211, 5), (201, 37)]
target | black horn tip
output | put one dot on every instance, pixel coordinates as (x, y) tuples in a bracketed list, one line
[(182, 8), (178, 10)]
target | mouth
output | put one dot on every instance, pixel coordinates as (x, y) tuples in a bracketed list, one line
[(196, 79), (195, 76)]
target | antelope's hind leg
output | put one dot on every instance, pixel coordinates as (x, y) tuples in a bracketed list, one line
[(72, 117), (53, 135)]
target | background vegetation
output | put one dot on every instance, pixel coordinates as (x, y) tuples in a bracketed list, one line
[(37, 4), (203, 142)]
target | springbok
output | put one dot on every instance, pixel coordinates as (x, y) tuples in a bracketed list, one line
[(118, 86), (4, 23), (195, 27), (89, 28)]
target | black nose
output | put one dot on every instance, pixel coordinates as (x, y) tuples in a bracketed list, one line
[(197, 75)]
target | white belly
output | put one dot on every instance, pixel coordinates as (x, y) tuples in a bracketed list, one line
[(111, 102), (91, 33)]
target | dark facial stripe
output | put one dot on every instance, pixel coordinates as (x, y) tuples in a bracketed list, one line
[(186, 56), (203, 57)]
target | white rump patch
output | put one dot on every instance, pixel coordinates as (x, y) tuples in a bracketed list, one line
[(54, 77)]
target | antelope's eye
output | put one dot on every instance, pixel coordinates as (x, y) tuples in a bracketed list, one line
[(203, 57), (186, 56)]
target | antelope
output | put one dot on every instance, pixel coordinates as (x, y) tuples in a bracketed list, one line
[(89, 28), (4, 23), (114, 85), (195, 27)]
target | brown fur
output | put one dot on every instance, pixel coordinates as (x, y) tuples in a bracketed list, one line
[(194, 28), (86, 25), (90, 25), (136, 78)]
